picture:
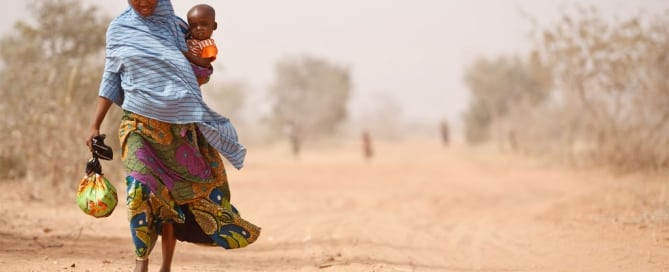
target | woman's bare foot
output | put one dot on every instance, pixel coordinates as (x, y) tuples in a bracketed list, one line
[(142, 265)]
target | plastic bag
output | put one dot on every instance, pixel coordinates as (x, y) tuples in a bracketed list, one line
[(96, 196)]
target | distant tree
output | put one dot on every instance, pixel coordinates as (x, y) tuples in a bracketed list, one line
[(477, 120), (51, 67), (310, 96), (497, 86)]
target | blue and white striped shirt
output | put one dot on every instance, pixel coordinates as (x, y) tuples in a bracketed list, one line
[(146, 73)]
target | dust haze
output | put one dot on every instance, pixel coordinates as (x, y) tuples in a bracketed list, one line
[(382, 136)]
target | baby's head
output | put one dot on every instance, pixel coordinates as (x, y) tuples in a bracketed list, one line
[(202, 21)]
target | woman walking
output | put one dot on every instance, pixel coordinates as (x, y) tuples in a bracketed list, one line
[(170, 139)]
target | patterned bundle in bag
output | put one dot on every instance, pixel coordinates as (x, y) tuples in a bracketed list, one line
[(96, 196)]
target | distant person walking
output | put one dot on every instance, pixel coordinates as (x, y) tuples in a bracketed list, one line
[(367, 150), (295, 138), (443, 129)]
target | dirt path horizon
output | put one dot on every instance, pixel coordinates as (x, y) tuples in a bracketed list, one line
[(415, 206)]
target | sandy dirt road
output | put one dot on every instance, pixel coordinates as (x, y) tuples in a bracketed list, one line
[(415, 207)]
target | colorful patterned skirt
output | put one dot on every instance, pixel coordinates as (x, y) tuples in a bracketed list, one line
[(174, 176)]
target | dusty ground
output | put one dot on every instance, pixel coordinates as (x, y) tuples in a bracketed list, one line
[(414, 207)]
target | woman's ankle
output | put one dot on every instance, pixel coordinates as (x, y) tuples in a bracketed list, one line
[(142, 265)]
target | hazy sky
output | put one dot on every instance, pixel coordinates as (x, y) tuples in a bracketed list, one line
[(413, 51)]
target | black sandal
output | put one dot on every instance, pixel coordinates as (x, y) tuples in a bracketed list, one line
[(101, 151)]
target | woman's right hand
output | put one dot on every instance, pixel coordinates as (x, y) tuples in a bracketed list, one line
[(93, 132), (100, 113)]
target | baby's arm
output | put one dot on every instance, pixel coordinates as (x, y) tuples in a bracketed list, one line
[(199, 61)]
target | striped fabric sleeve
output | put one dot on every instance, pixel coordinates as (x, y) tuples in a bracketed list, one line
[(110, 87)]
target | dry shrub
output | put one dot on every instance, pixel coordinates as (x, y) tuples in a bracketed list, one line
[(50, 76), (610, 100), (613, 74)]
